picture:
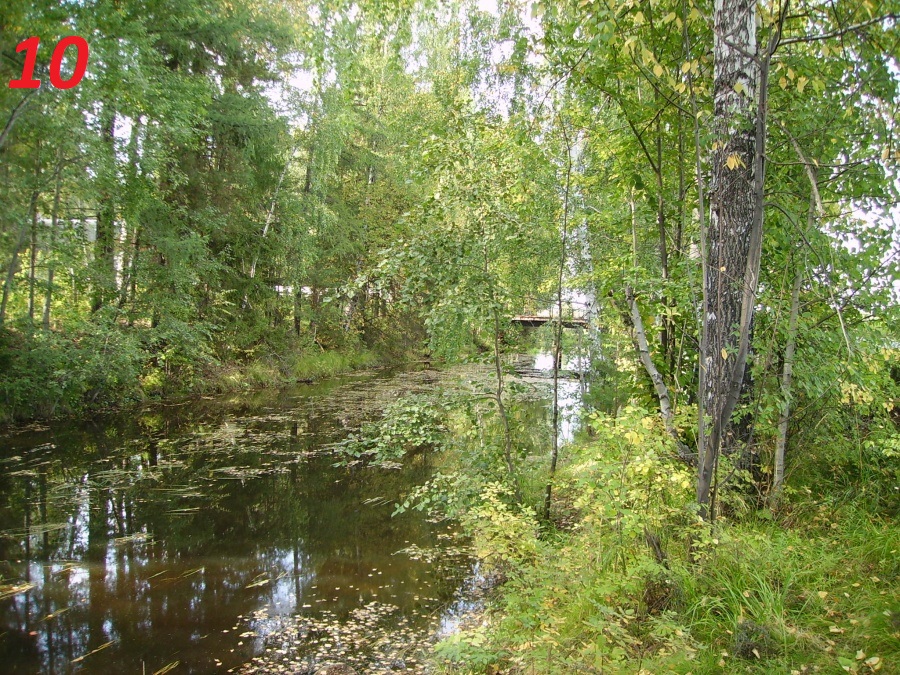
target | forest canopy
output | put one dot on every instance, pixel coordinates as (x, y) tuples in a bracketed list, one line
[(247, 185), (203, 196)]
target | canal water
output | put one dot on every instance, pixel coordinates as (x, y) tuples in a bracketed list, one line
[(197, 537)]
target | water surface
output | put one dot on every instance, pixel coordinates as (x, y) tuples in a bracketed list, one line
[(186, 533), (203, 536)]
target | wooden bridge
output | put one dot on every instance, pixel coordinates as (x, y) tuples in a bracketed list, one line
[(535, 321)]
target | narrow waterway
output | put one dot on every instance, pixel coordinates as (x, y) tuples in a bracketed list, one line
[(196, 536)]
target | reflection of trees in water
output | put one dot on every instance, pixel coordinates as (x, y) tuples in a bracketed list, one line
[(226, 496)]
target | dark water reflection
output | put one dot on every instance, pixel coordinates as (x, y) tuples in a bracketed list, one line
[(143, 539)]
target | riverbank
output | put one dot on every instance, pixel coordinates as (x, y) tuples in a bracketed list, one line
[(45, 375), (626, 579)]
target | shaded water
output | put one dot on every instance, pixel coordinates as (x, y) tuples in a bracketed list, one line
[(203, 534), (153, 537)]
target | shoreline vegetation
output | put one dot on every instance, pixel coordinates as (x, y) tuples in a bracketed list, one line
[(50, 376), (625, 578)]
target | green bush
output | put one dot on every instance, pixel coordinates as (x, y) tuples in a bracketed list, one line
[(44, 373), (409, 424)]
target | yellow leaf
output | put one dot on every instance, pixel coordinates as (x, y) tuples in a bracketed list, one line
[(686, 66), (725, 358), (740, 88), (823, 594), (734, 161), (860, 655), (782, 82), (801, 83), (885, 153), (658, 70), (669, 18), (695, 14), (638, 18)]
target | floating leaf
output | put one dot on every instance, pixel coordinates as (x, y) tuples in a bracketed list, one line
[(94, 651), (14, 589), (167, 668)]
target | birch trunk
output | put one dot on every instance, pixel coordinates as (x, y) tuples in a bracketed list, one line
[(734, 233), (662, 391), (787, 373)]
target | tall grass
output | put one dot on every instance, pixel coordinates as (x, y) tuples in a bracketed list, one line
[(813, 588), (288, 369)]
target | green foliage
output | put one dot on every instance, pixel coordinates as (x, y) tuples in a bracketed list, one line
[(413, 423), (45, 373), (629, 580)]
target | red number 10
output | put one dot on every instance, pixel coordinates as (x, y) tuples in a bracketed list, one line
[(30, 47)]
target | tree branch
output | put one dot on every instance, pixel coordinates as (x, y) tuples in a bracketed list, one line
[(839, 33), (14, 115)]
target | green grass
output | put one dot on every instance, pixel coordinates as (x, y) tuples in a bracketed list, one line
[(289, 369), (813, 588)]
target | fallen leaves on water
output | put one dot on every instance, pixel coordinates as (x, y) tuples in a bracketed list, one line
[(93, 651), (373, 639), (9, 590)]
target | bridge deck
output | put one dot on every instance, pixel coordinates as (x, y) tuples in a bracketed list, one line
[(535, 321)]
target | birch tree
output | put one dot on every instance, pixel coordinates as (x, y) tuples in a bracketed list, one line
[(734, 236)]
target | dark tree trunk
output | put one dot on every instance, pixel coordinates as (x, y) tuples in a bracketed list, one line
[(104, 247), (51, 264), (14, 260), (32, 263), (734, 234)]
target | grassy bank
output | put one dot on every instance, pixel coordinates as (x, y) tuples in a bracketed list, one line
[(283, 370), (48, 374), (626, 579)]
